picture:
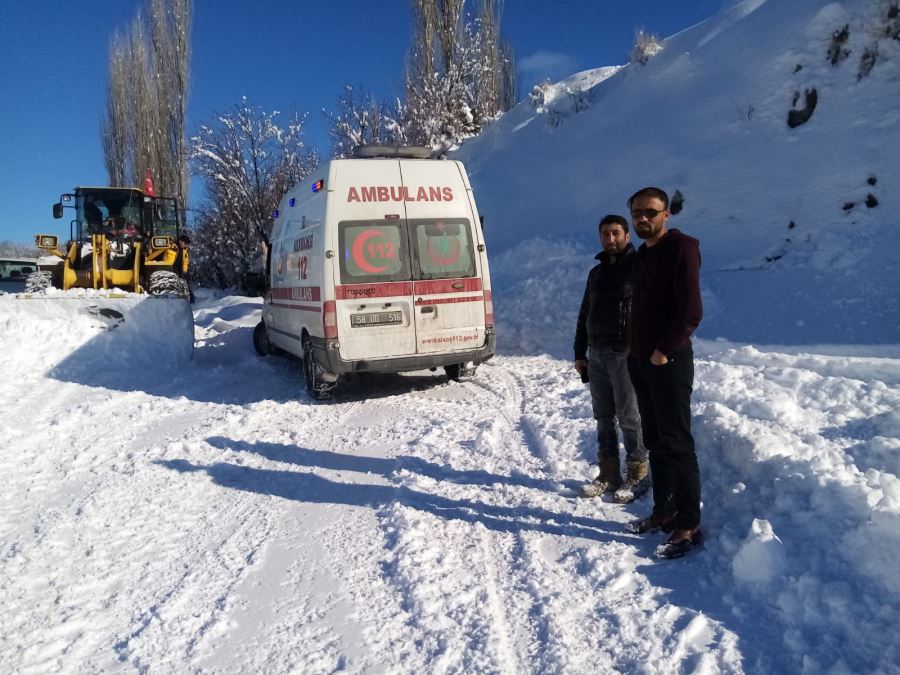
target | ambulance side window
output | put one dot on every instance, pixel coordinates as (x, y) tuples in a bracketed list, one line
[(443, 248), (373, 251)]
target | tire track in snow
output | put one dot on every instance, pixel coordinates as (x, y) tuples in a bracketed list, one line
[(514, 632)]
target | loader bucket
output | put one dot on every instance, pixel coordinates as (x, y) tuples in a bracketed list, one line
[(95, 337)]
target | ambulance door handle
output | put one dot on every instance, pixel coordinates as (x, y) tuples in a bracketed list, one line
[(428, 310), (457, 285)]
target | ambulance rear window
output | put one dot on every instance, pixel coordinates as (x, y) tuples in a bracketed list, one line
[(443, 248), (373, 251)]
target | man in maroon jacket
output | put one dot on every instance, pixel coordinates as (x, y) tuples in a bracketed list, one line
[(665, 311)]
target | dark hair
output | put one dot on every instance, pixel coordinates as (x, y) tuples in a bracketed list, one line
[(614, 218), (654, 192)]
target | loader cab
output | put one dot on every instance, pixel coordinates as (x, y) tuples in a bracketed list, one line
[(117, 213), (120, 213)]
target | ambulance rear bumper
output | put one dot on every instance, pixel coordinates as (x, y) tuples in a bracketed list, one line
[(330, 359)]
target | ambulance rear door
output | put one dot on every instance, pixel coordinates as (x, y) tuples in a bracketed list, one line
[(448, 291), (373, 291)]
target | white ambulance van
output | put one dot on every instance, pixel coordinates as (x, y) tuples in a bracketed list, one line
[(378, 264)]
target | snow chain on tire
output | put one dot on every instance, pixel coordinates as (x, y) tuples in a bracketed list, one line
[(38, 282), (163, 282), (318, 388)]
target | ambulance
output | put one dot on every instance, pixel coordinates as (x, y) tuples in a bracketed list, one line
[(378, 264)]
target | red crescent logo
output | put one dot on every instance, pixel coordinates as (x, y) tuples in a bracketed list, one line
[(451, 259), (359, 256)]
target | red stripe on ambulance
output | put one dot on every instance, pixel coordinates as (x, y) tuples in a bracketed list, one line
[(389, 289), (447, 301), (432, 287)]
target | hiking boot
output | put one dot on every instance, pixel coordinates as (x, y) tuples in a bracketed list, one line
[(608, 480), (637, 482), (679, 543), (652, 523)]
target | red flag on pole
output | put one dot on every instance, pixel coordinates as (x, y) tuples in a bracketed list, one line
[(148, 185)]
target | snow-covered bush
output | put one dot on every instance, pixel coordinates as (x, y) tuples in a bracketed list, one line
[(646, 46)]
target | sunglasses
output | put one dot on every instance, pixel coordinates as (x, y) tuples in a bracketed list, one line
[(650, 214)]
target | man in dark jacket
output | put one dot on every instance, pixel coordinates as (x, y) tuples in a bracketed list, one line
[(601, 342), (666, 309)]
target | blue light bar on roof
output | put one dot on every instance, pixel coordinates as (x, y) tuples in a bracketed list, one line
[(275, 213), (291, 201), (318, 185)]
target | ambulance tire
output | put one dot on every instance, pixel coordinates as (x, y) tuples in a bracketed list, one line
[(261, 340), (460, 372), (317, 387)]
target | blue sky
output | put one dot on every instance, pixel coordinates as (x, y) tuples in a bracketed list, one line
[(279, 54)]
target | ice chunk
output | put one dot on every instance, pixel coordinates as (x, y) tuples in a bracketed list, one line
[(760, 558)]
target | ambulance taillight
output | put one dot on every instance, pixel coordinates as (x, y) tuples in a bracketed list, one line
[(329, 319), (488, 309)]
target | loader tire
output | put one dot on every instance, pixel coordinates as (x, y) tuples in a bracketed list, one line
[(38, 282), (163, 282)]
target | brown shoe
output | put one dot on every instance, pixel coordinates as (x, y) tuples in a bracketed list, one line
[(652, 523), (679, 543)]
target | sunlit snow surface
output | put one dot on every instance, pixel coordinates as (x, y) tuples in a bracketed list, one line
[(215, 518)]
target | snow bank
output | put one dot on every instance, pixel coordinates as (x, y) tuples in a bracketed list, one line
[(73, 334)]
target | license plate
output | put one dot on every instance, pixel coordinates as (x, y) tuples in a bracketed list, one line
[(376, 319)]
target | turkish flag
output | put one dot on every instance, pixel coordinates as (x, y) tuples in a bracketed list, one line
[(148, 185)]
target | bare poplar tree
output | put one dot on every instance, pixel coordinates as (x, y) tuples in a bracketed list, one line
[(170, 25), (144, 129), (114, 128)]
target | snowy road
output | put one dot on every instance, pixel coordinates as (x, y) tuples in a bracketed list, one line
[(221, 521)]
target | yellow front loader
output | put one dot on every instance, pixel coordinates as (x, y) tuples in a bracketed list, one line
[(120, 238), (124, 271)]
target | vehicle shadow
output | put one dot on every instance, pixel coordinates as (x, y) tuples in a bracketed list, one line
[(308, 487), (386, 467), (224, 369)]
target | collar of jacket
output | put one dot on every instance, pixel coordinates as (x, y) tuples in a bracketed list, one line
[(604, 257)]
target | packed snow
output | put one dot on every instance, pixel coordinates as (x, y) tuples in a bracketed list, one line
[(170, 511)]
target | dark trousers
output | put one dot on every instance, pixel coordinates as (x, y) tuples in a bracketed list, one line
[(664, 400)]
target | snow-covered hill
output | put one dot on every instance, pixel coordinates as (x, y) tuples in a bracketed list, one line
[(798, 226)]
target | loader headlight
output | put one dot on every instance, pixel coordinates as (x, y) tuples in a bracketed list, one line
[(46, 241), (160, 242)]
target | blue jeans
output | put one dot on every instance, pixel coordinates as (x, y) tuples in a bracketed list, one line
[(613, 400)]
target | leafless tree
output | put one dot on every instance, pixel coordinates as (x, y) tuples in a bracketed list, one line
[(170, 24), (144, 128), (114, 129), (361, 120)]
